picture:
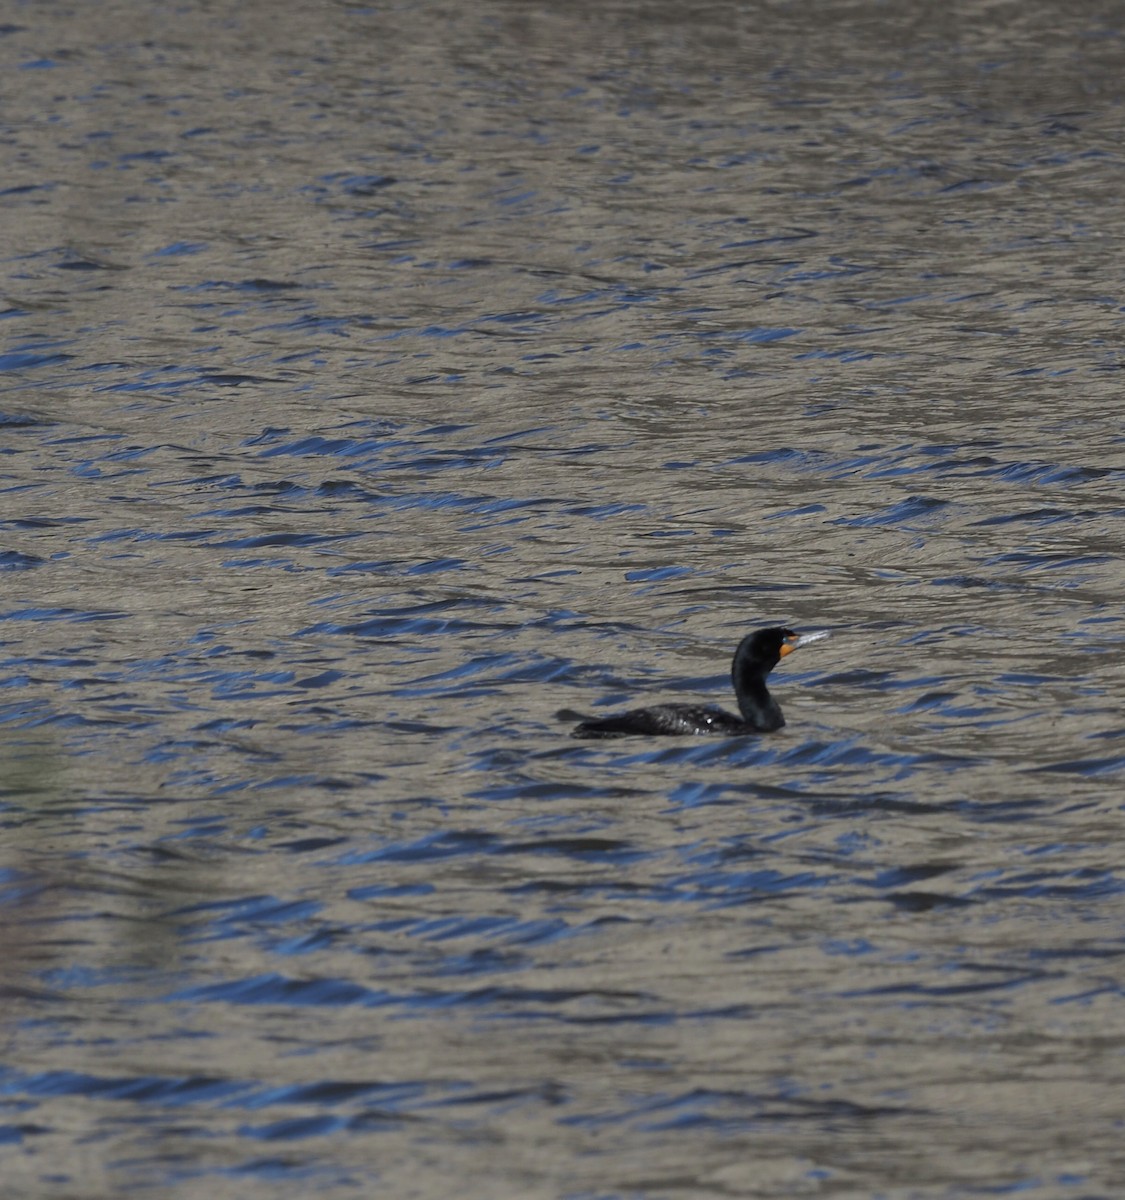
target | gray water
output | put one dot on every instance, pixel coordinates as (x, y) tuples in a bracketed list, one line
[(379, 382)]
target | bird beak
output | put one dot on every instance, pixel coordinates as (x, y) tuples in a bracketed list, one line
[(803, 639), (816, 636)]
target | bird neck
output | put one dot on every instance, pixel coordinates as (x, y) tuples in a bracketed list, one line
[(755, 703)]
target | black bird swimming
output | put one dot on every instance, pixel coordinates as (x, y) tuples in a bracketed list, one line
[(757, 655)]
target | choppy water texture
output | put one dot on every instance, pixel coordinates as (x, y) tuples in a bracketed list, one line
[(379, 381)]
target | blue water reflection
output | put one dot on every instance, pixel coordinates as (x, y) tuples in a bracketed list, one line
[(386, 388)]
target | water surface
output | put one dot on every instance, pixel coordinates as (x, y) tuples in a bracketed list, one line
[(378, 382)]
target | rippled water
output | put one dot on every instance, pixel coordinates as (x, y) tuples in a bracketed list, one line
[(379, 382)]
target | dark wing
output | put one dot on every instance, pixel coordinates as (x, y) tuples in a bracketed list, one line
[(663, 720)]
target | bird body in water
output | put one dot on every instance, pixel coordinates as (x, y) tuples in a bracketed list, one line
[(757, 655)]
